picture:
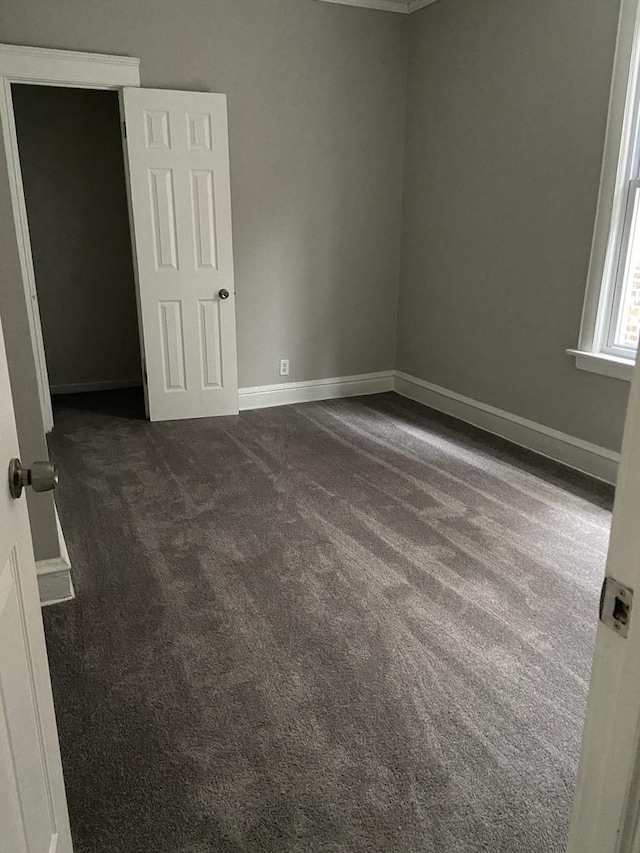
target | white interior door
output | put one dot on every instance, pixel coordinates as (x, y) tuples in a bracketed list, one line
[(33, 810), (607, 805), (178, 160)]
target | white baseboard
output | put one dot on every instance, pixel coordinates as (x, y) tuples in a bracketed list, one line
[(598, 462), (102, 385), (54, 575), (263, 396)]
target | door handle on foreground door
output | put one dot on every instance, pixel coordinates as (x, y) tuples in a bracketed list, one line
[(42, 477), (223, 294)]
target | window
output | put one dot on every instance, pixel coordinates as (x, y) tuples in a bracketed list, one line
[(622, 337), (621, 309), (610, 329)]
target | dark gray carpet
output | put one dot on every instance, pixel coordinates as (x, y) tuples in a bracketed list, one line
[(342, 626)]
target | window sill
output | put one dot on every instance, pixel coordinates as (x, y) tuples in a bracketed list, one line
[(605, 365)]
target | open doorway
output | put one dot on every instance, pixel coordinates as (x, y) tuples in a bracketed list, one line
[(74, 184)]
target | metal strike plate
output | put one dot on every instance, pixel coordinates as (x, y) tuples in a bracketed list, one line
[(616, 602)]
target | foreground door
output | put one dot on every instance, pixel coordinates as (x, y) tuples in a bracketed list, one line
[(33, 810), (607, 806), (178, 161)]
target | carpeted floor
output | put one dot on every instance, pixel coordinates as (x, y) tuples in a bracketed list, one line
[(325, 628)]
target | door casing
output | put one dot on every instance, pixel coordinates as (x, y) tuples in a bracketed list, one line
[(44, 67)]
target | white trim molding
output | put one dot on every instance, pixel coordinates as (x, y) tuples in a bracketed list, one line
[(598, 462), (284, 393), (68, 67), (402, 7), (100, 385), (54, 575), (45, 67), (604, 364), (19, 209), (617, 164), (583, 456)]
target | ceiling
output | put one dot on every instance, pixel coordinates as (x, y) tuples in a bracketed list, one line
[(403, 7)]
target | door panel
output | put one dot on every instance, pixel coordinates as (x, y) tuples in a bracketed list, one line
[(33, 811), (19, 708), (178, 160)]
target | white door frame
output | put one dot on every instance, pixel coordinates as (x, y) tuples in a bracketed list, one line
[(606, 815), (44, 67)]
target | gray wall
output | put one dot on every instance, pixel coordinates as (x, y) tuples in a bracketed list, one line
[(22, 373), (73, 177), (507, 108), (505, 128), (316, 97)]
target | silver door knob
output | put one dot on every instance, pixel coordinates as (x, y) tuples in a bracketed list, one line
[(42, 477), (223, 294)]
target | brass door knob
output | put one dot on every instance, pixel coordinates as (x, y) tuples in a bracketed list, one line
[(223, 294), (42, 477)]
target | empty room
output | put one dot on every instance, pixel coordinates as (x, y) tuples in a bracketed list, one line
[(321, 426)]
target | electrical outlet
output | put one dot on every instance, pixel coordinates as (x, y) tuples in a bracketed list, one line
[(284, 367)]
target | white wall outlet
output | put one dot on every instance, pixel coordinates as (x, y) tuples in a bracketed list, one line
[(284, 367)]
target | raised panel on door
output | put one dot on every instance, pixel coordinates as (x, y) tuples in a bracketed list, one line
[(178, 160), (173, 349), (204, 219), (163, 218), (30, 782), (210, 343)]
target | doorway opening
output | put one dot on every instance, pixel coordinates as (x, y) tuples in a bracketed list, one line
[(75, 195)]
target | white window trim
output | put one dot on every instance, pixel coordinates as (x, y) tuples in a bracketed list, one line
[(619, 148)]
